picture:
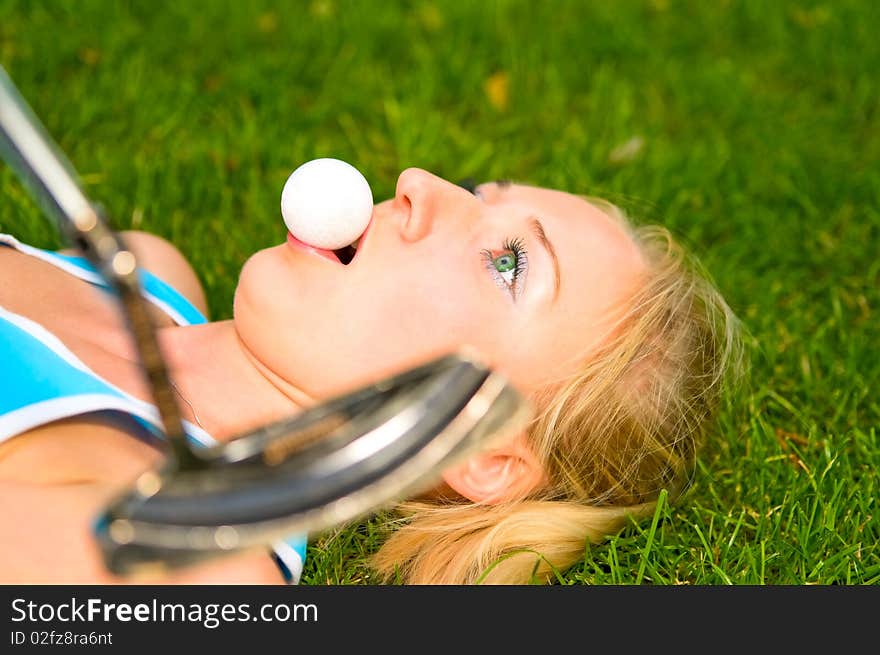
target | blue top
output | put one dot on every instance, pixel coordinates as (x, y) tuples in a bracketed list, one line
[(42, 381)]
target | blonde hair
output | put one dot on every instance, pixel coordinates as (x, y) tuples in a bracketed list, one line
[(611, 437)]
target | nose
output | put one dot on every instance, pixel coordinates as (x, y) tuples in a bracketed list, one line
[(424, 196)]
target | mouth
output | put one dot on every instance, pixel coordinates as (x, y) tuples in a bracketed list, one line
[(344, 255), (348, 254)]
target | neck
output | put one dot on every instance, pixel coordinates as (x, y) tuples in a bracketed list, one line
[(229, 389)]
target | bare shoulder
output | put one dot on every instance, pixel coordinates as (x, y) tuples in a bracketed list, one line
[(164, 259)]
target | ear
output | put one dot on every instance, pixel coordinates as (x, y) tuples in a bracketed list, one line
[(500, 474)]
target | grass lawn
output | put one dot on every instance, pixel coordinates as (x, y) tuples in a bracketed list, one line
[(751, 129)]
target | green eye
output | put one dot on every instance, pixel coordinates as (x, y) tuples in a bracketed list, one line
[(504, 263), (508, 269)]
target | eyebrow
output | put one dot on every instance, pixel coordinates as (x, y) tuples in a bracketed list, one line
[(538, 229)]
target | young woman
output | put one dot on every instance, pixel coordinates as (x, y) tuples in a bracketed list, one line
[(621, 345)]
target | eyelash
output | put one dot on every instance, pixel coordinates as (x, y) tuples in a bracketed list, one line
[(520, 255), (513, 246)]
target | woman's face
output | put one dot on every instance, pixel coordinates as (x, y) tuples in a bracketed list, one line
[(525, 275)]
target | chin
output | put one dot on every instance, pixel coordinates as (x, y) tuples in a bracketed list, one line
[(276, 331), (256, 310), (246, 297)]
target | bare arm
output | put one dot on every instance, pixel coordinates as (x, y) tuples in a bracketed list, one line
[(48, 510)]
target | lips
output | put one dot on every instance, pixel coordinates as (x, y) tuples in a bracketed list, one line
[(342, 256), (327, 254)]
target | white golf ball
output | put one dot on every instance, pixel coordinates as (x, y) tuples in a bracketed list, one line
[(326, 203)]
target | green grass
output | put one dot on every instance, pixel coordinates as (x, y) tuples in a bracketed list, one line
[(760, 149)]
